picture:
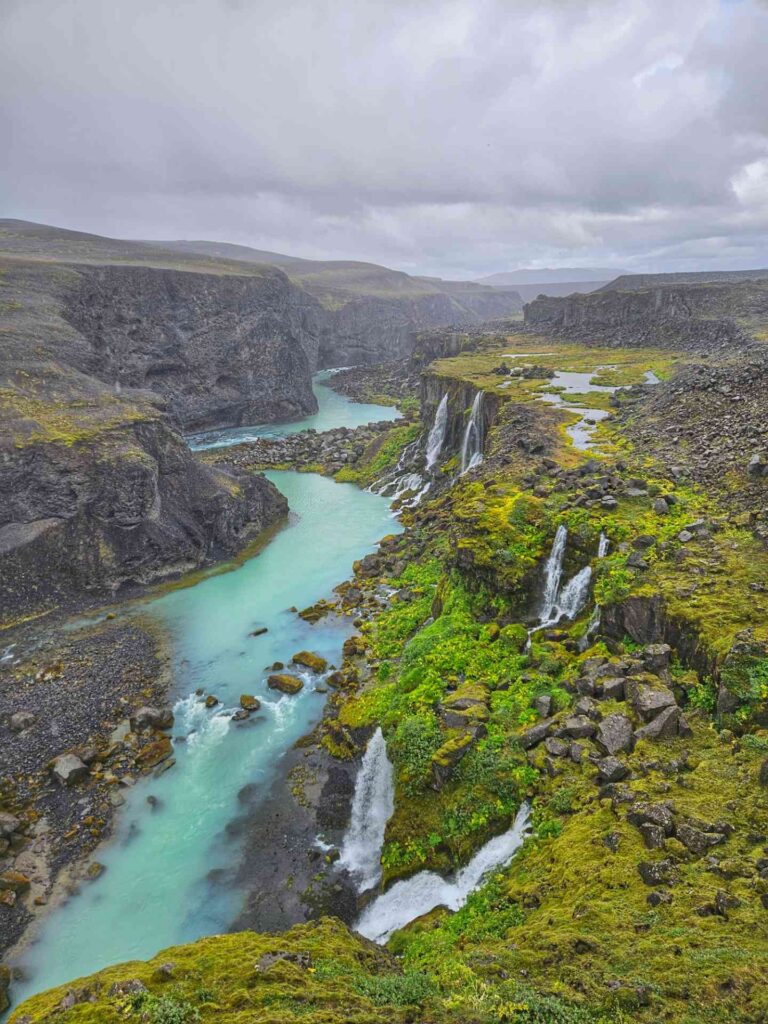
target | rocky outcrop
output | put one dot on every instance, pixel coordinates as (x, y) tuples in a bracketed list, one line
[(222, 350), (699, 316), (131, 505)]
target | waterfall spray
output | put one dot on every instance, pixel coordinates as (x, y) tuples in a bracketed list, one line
[(421, 893), (553, 573), (372, 807)]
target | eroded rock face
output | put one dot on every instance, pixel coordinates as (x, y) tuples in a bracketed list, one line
[(130, 505), (222, 350)]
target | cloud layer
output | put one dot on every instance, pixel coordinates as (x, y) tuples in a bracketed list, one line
[(452, 137)]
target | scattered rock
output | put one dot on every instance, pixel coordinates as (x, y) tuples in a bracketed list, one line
[(611, 769), (615, 734), (660, 872), (285, 683), (21, 721), (69, 770), (696, 840), (311, 661), (249, 703), (211, 701)]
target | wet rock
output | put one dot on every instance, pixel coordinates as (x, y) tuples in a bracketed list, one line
[(14, 881), (285, 683), (249, 703), (211, 701), (615, 734), (260, 631), (69, 770), (155, 753), (149, 717), (311, 661), (611, 769)]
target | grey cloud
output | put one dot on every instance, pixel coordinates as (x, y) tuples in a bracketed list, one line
[(454, 137)]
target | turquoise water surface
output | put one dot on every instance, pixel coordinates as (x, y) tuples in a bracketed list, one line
[(170, 869), (333, 410)]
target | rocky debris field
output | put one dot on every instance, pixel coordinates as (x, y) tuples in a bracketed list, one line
[(326, 451), (709, 423), (82, 715), (396, 381)]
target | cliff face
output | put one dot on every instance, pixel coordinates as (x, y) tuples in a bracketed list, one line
[(98, 488), (378, 329), (222, 350), (711, 316)]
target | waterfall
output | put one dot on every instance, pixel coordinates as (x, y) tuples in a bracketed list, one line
[(602, 546), (472, 445), (421, 893), (553, 572), (372, 807), (573, 596), (436, 435)]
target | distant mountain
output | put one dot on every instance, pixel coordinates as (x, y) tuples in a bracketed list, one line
[(549, 275)]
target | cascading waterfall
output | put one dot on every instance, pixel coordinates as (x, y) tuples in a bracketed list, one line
[(372, 807), (602, 546), (421, 893), (437, 433), (574, 594), (472, 444), (553, 573)]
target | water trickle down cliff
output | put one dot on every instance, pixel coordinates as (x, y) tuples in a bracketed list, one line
[(372, 807), (472, 444)]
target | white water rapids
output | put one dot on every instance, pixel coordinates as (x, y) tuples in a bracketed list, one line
[(372, 807), (421, 893)]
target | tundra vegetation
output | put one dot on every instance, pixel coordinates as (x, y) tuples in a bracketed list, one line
[(637, 732)]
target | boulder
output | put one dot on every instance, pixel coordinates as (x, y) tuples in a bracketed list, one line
[(154, 753), (654, 836), (648, 697), (612, 688), (69, 770), (655, 657), (655, 814), (556, 747), (611, 769), (696, 841), (663, 727), (311, 661), (543, 705), (249, 703), (615, 734), (587, 706), (448, 756), (660, 872), (9, 824), (15, 881), (579, 727), (533, 736), (149, 717), (21, 720), (285, 683)]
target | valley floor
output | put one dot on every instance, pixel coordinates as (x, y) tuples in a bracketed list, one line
[(636, 727)]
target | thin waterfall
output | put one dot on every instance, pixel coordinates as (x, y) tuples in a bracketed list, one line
[(436, 435), (421, 893), (472, 444), (602, 546), (372, 807), (574, 594), (553, 573)]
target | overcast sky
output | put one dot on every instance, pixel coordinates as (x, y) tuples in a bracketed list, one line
[(456, 138)]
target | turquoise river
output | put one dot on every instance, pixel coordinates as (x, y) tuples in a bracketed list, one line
[(169, 863)]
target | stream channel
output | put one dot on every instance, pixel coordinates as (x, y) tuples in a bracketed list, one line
[(170, 866)]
